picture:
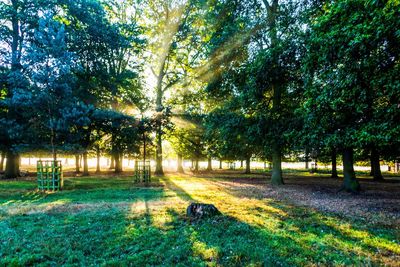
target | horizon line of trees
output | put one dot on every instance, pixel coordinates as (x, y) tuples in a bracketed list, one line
[(233, 80)]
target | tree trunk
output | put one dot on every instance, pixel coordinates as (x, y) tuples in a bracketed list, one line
[(220, 164), (247, 171), (334, 165), (375, 166), (112, 163), (12, 165), (98, 155), (276, 177), (180, 167), (241, 164), (80, 161), (196, 165), (3, 155), (118, 162), (77, 167), (209, 164), (350, 183), (276, 88), (85, 164), (307, 159), (159, 159)]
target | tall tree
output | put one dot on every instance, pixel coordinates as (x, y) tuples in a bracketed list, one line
[(350, 81), (20, 18)]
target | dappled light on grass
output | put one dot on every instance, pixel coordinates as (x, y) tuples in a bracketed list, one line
[(124, 224)]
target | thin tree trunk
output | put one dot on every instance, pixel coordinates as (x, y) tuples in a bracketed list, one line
[(3, 155), (350, 182), (241, 164), (180, 167), (276, 177), (209, 164), (220, 164), (334, 165), (375, 165), (196, 165), (85, 164), (307, 159), (77, 167), (159, 108), (98, 155), (12, 165), (159, 159), (247, 171)]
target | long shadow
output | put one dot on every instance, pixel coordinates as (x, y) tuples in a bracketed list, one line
[(303, 230), (309, 221), (178, 190)]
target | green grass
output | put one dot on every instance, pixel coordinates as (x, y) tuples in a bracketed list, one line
[(109, 221)]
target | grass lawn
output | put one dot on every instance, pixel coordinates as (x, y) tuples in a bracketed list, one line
[(109, 221)]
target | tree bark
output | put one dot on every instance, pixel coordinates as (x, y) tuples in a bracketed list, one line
[(241, 164), (180, 167), (159, 159), (118, 162), (220, 164), (159, 108), (276, 177), (307, 159), (112, 163), (350, 183), (196, 165), (375, 166), (98, 155), (3, 155), (276, 88), (247, 171), (334, 165), (77, 167), (85, 164), (12, 165), (209, 164)]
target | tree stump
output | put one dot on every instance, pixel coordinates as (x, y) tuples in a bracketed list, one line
[(201, 210)]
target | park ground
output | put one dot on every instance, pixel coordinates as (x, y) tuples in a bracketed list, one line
[(111, 221)]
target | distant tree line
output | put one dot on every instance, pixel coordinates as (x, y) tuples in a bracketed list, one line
[(233, 80)]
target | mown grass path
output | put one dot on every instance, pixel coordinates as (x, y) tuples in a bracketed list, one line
[(109, 221)]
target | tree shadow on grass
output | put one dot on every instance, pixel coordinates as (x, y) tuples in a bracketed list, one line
[(178, 190), (370, 238), (300, 235)]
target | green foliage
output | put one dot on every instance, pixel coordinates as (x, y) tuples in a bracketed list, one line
[(350, 93)]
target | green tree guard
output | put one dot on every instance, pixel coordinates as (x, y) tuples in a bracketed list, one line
[(49, 175)]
